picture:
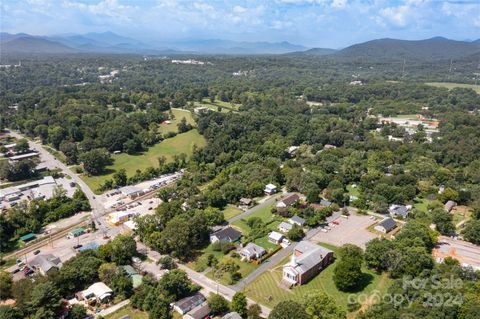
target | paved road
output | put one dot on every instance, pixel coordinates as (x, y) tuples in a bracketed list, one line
[(267, 202), (275, 259), (51, 162), (208, 285)]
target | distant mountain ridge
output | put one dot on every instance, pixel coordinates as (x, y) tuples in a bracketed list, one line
[(429, 49), (109, 42), (437, 48)]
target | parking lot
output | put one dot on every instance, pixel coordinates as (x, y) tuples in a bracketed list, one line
[(348, 231)]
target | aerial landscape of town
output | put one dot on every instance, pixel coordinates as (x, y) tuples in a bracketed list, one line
[(239, 159)]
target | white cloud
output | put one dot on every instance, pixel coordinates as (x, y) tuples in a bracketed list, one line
[(339, 4), (396, 15), (109, 8), (239, 9)]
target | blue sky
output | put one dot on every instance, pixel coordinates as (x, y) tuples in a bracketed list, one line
[(313, 23)]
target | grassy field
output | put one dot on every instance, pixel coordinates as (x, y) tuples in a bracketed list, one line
[(182, 143), (128, 310), (179, 114), (265, 288), (264, 213), (450, 86), (231, 211), (226, 106), (353, 190)]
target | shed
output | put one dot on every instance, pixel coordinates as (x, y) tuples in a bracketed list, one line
[(450, 205)]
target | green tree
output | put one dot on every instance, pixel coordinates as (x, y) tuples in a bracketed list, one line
[(217, 304), (287, 310), (175, 284), (322, 306), (120, 178), (239, 304), (471, 232), (120, 250), (377, 252), (348, 272), (254, 311), (78, 312), (94, 161), (296, 233), (443, 221), (46, 301), (8, 312), (6, 283)]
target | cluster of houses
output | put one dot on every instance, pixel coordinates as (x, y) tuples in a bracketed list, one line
[(430, 126)]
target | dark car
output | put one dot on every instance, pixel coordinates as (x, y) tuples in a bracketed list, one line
[(15, 270), (36, 252), (29, 272), (77, 246)]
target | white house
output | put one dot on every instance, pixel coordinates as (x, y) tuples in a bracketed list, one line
[(285, 227), (270, 189), (98, 290), (275, 237)]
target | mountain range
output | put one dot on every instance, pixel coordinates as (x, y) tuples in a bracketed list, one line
[(108, 42)]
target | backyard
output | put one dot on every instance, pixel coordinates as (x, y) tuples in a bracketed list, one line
[(225, 106), (128, 310), (268, 218), (181, 143), (231, 211), (265, 289)]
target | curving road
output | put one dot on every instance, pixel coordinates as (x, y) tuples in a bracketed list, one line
[(52, 163)]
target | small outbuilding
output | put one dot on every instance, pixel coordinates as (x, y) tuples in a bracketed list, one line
[(297, 220), (252, 251), (450, 205), (270, 189)]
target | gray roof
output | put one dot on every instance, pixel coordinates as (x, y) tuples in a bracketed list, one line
[(45, 262), (253, 249), (325, 203), (450, 205), (227, 233), (232, 315), (388, 223), (285, 225), (298, 219), (399, 210), (188, 303), (311, 255)]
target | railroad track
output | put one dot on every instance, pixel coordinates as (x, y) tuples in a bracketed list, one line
[(52, 237)]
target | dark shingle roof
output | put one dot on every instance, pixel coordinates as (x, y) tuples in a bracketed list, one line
[(290, 200), (228, 233), (190, 302), (388, 224)]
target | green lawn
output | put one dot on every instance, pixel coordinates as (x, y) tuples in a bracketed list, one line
[(450, 86), (128, 310), (421, 204), (246, 268), (353, 191), (264, 213), (231, 211), (226, 106), (265, 288), (179, 114), (182, 143)]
